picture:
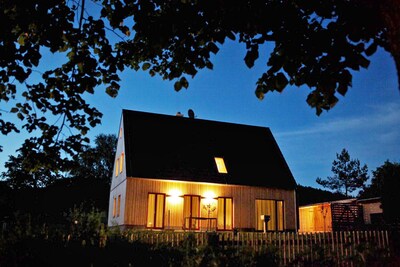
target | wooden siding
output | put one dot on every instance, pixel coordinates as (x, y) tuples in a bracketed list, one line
[(316, 218), (243, 201)]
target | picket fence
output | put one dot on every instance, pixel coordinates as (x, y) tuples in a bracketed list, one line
[(289, 247)]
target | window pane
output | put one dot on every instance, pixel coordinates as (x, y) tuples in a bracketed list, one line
[(279, 205), (119, 205), (151, 210), (221, 213), (271, 211), (116, 167), (191, 208), (195, 210), (225, 213), (114, 206), (121, 162), (266, 207), (160, 211), (228, 214), (220, 165), (155, 211)]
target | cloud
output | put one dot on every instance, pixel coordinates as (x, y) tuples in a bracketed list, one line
[(379, 118)]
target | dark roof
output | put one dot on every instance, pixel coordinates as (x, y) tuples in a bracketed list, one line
[(179, 148)]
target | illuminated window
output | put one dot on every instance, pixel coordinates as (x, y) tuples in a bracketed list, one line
[(220, 165), (155, 210), (272, 208), (114, 206), (191, 208), (119, 205), (225, 213), (121, 162), (120, 132), (117, 167)]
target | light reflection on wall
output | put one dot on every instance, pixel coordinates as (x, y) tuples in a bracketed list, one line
[(175, 196), (209, 197)]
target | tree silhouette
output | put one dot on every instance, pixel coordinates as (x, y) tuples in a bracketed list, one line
[(96, 162), (348, 175), (386, 185)]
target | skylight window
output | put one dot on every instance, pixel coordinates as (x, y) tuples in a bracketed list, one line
[(220, 165)]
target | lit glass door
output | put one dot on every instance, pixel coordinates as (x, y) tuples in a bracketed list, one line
[(155, 210), (225, 213)]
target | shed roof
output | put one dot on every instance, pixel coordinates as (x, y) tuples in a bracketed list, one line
[(179, 148)]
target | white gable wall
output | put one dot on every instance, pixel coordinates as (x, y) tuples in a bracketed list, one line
[(118, 182)]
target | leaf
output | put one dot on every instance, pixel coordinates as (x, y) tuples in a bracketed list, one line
[(21, 39), (14, 110), (280, 82), (251, 56), (371, 49), (112, 89), (126, 31), (259, 92), (184, 82), (146, 66), (231, 35), (20, 116), (80, 67), (363, 62), (342, 89), (213, 48), (71, 54), (177, 86)]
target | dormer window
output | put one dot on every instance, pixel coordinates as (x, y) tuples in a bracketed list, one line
[(220, 165)]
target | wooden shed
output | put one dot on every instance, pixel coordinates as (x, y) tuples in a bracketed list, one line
[(173, 172), (331, 216)]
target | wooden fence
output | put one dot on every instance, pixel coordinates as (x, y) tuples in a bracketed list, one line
[(340, 247)]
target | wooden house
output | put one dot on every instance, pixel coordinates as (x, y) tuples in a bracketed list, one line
[(344, 214), (173, 172)]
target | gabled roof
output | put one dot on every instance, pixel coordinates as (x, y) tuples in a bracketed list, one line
[(179, 148)]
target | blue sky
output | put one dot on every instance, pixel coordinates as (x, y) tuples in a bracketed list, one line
[(366, 121)]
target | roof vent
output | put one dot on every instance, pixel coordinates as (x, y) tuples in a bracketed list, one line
[(178, 114)]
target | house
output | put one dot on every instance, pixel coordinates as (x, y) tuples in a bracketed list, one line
[(173, 172), (344, 214)]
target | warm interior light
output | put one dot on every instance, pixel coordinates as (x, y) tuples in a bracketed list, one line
[(209, 197), (174, 196), (220, 165)]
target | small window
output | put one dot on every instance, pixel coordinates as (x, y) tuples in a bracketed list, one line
[(114, 206), (220, 165), (119, 205), (117, 167), (121, 162), (120, 132)]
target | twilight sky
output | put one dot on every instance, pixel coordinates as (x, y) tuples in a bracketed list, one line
[(366, 121)]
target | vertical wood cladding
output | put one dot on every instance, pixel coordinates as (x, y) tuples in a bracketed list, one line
[(244, 197)]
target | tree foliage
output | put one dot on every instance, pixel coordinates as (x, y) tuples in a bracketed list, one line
[(348, 175), (308, 195), (31, 169), (386, 184), (35, 171), (96, 162), (315, 44)]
